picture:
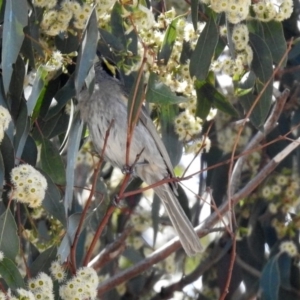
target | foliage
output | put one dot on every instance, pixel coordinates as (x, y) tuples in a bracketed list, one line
[(210, 73)]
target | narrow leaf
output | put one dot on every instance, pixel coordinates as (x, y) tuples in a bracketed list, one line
[(9, 240), (51, 162), (22, 130), (73, 146), (116, 23), (43, 261), (270, 279), (52, 202), (207, 97), (15, 19), (262, 66), (194, 12), (38, 91), (10, 274), (204, 51), (87, 52), (168, 42), (274, 38)]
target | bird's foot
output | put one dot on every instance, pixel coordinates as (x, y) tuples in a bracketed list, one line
[(127, 170)]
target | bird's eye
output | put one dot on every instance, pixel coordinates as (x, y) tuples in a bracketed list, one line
[(110, 68)]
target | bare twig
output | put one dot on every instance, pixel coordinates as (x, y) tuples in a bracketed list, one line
[(111, 251)]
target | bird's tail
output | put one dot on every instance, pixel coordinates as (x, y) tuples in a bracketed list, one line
[(187, 235)]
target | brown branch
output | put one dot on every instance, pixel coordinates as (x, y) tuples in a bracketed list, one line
[(110, 252), (201, 230), (101, 225)]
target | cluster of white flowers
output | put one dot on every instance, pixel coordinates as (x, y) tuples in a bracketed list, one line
[(227, 135), (187, 125), (289, 247), (57, 271), (244, 53), (83, 285), (56, 21), (265, 10), (41, 287), (29, 185), (141, 221), (235, 10), (5, 118), (277, 10), (55, 62)]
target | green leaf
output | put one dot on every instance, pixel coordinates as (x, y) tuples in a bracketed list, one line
[(62, 97), (284, 264), (10, 274), (65, 246), (207, 97), (7, 152), (30, 152), (87, 52), (270, 279), (52, 202), (170, 138), (194, 12), (274, 38), (39, 89), (73, 146), (116, 23), (158, 92), (204, 51), (168, 42), (9, 239), (15, 19), (111, 40), (43, 261), (52, 163), (262, 66)]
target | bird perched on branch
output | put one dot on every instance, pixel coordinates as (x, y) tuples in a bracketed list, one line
[(148, 157)]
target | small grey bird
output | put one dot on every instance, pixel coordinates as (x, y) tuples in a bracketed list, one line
[(108, 103)]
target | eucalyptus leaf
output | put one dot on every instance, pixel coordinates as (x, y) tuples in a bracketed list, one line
[(9, 239), (43, 262), (87, 51), (274, 38), (52, 163), (22, 130), (194, 13), (73, 146), (10, 274), (15, 19), (262, 66), (270, 279), (204, 50), (208, 97), (116, 23), (168, 42), (52, 202), (7, 152)]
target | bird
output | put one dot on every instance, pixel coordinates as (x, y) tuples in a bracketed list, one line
[(106, 107)]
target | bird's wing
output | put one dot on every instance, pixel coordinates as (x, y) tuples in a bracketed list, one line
[(145, 119)]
